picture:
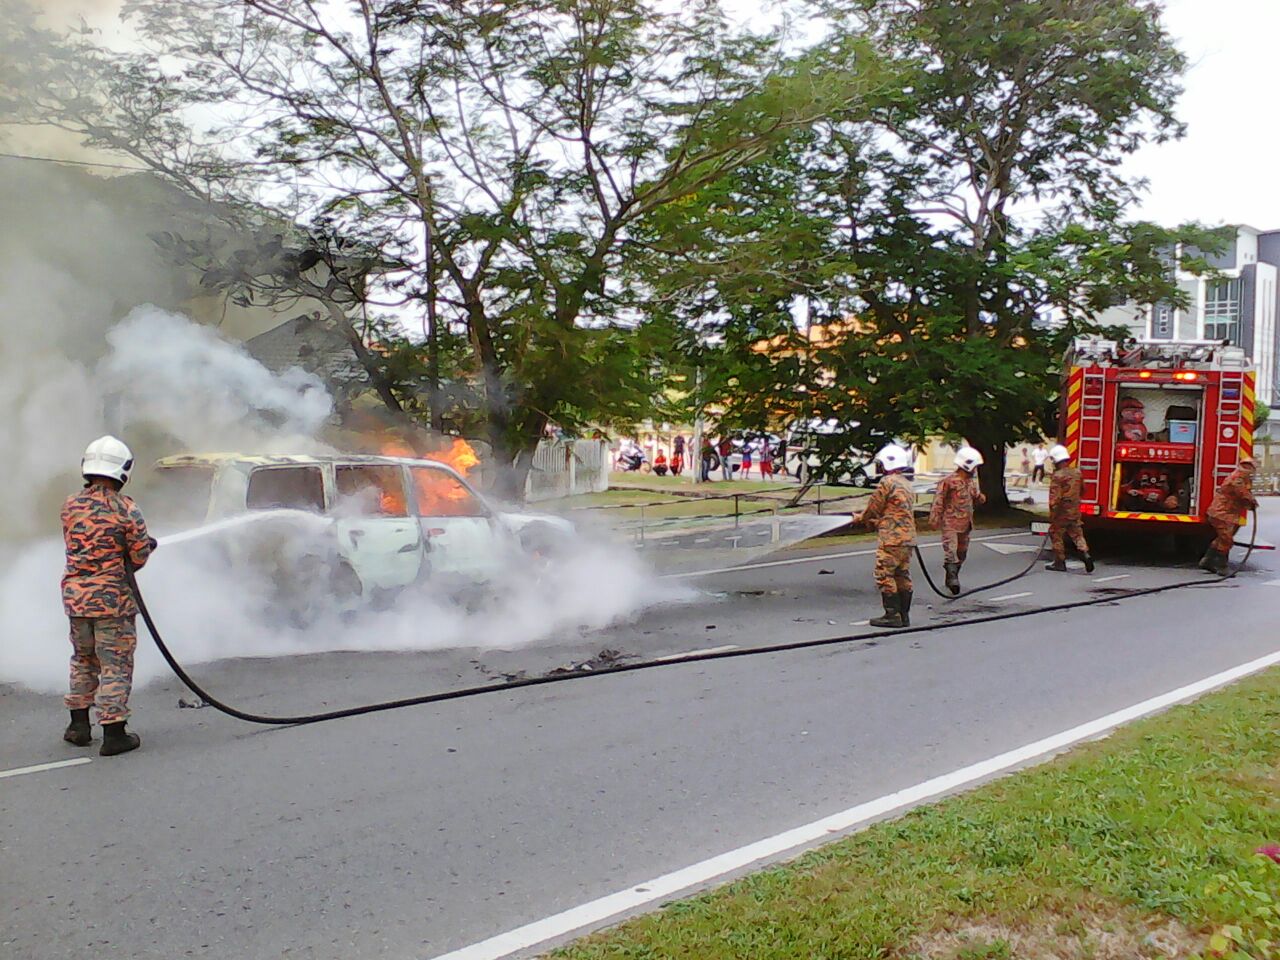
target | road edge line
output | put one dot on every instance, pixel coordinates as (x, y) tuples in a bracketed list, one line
[(41, 767), (597, 912)]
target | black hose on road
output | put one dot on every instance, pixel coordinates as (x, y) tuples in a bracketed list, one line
[(924, 568), (507, 685)]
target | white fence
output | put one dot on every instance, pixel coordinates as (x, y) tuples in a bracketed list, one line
[(565, 468)]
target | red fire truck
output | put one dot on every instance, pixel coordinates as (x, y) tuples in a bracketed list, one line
[(1155, 426)]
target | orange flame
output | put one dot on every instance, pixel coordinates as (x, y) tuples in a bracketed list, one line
[(437, 494)]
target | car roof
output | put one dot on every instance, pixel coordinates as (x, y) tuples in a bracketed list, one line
[(295, 459)]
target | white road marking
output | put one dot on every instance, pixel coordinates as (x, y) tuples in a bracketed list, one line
[(1272, 583), (860, 623), (694, 653), (1119, 576), (1008, 548), (1010, 596), (703, 540), (825, 556), (716, 868), (39, 767)]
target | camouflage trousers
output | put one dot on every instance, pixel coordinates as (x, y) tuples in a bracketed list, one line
[(893, 568), (955, 545), (1062, 531), (102, 665), (1224, 534)]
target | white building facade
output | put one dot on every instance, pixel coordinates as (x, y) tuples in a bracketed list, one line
[(1239, 304)]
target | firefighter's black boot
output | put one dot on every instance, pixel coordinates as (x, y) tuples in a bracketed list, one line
[(953, 578), (892, 615), (1088, 562), (116, 739), (1214, 561), (78, 730), (1058, 566), (904, 607)]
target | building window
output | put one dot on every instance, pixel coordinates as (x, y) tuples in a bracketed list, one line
[(1164, 321), (1222, 310)]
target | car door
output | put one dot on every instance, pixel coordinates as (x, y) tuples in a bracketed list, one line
[(377, 535), (461, 530)]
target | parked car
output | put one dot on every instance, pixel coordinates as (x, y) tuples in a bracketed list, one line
[(387, 523), (848, 467)]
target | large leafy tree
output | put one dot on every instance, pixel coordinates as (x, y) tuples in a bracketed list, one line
[(497, 155), (932, 240)]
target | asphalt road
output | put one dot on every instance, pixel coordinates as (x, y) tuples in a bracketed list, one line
[(409, 834)]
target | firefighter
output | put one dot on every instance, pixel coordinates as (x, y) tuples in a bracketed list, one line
[(1064, 511), (98, 525), (1230, 500), (892, 509), (952, 513)]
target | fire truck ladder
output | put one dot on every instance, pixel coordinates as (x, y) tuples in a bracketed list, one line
[(1092, 429), (1227, 441)]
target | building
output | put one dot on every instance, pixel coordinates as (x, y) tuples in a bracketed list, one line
[(1238, 304)]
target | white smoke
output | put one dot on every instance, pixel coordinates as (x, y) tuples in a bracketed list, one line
[(205, 392), (81, 354)]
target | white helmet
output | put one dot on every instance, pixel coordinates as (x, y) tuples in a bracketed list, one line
[(968, 459), (107, 457), (1059, 453), (893, 457)]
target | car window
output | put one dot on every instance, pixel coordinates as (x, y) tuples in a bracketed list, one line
[(371, 490), (438, 494), (297, 488), (180, 495)]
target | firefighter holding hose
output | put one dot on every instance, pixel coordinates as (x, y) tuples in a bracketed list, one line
[(892, 509), (100, 524), (1065, 488), (952, 513), (1230, 500)]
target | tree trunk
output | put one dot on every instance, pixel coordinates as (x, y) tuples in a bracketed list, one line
[(991, 476)]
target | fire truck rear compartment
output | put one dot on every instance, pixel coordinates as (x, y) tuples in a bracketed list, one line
[(1158, 430)]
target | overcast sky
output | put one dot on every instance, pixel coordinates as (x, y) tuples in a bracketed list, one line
[(1221, 172)]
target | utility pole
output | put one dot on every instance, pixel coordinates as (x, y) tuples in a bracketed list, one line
[(695, 455)]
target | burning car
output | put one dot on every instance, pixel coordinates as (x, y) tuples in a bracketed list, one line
[(379, 524)]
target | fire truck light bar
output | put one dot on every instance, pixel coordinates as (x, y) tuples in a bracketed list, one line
[(1186, 376), (1090, 508)]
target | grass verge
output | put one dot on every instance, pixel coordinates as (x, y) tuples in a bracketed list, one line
[(1140, 845)]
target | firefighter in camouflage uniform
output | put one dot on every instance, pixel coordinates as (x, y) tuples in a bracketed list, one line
[(892, 509), (99, 524), (952, 513), (1065, 489), (1230, 500)]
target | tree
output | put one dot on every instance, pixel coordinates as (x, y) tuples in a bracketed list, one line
[(499, 154), (940, 233)]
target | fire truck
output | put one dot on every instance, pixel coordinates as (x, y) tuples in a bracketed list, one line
[(1155, 426)]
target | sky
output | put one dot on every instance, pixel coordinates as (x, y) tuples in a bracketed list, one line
[(1220, 173)]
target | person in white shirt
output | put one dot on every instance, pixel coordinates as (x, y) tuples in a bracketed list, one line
[(1038, 457)]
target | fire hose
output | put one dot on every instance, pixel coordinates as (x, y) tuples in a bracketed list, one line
[(924, 567), (508, 685)]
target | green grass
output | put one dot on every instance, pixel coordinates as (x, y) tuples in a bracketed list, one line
[(685, 482), (1140, 845)]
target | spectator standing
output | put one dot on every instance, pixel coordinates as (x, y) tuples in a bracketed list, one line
[(677, 456), (766, 460), (725, 449), (1038, 457), (746, 458)]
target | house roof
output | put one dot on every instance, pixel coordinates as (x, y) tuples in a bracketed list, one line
[(315, 346)]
